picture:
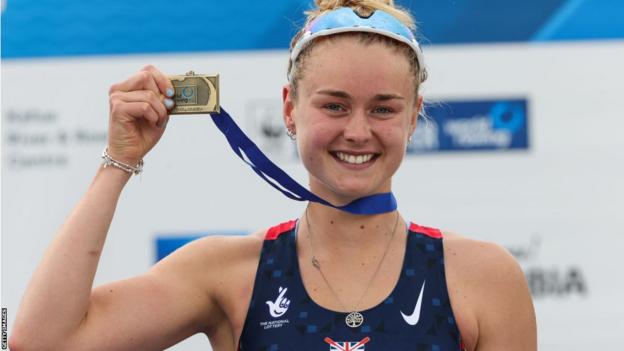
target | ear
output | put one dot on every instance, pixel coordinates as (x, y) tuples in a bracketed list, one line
[(415, 114), (288, 107)]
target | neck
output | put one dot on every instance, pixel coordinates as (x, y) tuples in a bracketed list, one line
[(335, 228)]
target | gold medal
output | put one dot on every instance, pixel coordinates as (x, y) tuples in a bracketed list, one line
[(195, 93)]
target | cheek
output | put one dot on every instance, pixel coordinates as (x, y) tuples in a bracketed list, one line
[(315, 140), (320, 134), (393, 136)]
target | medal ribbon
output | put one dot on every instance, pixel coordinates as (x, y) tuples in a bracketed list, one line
[(277, 178)]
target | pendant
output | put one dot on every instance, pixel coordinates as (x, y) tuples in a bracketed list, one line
[(316, 263), (354, 319)]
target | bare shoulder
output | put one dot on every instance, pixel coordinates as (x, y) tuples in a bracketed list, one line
[(217, 248), (179, 296), (212, 254), (487, 287), (220, 267), (474, 257)]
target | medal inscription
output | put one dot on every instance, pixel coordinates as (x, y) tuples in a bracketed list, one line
[(195, 94)]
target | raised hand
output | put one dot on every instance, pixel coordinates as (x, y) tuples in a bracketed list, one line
[(138, 114)]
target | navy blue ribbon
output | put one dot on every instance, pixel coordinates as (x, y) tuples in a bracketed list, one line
[(277, 178)]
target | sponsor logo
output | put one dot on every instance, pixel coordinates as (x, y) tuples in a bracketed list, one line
[(413, 318), (558, 280), (267, 131), (39, 140), (274, 324), (186, 94), (473, 126), (347, 345), (278, 307)]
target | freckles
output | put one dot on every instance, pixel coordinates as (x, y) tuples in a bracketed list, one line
[(391, 134), (322, 135)]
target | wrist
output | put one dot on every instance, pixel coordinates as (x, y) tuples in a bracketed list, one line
[(118, 174), (128, 167), (114, 180), (115, 154)]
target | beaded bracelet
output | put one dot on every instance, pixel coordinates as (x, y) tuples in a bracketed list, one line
[(109, 161)]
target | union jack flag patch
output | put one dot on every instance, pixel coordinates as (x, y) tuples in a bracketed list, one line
[(347, 345)]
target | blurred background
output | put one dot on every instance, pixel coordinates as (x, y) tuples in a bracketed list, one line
[(525, 148)]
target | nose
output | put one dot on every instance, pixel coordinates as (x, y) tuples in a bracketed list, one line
[(358, 129)]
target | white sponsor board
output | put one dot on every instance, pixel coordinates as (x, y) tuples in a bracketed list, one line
[(557, 206)]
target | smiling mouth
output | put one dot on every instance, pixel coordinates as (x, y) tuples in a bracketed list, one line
[(354, 159)]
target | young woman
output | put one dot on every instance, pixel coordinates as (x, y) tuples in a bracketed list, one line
[(331, 280)]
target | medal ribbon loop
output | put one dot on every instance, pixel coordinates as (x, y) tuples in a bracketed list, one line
[(280, 180)]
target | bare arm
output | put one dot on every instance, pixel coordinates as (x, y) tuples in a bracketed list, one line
[(58, 309), (507, 317), (489, 295), (150, 312), (57, 297)]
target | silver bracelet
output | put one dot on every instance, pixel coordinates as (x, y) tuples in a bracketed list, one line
[(109, 161)]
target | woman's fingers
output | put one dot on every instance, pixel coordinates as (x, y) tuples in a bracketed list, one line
[(142, 80), (136, 110), (143, 109), (163, 83), (156, 101), (138, 113), (148, 79)]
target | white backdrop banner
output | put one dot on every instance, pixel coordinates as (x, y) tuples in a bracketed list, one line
[(555, 203)]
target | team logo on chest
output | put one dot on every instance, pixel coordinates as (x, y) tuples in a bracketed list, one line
[(347, 345), (413, 318), (278, 307)]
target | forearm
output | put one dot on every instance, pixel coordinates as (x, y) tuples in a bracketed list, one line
[(57, 297)]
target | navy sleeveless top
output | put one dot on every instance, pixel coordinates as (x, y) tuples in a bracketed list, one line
[(417, 314)]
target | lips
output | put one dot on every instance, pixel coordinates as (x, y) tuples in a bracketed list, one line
[(355, 159)]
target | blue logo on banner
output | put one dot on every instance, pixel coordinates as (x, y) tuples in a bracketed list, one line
[(473, 125), (166, 244)]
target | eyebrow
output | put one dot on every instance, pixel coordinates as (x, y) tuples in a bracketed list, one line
[(344, 95)]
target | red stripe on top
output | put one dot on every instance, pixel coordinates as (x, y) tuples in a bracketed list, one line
[(279, 229), (430, 232)]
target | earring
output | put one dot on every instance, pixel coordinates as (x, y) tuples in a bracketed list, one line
[(409, 139), (291, 134)]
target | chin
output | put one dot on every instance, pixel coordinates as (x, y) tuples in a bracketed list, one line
[(356, 192), (344, 188)]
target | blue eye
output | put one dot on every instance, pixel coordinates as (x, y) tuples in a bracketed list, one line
[(334, 107), (383, 110)]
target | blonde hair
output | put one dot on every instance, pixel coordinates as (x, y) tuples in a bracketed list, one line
[(363, 8)]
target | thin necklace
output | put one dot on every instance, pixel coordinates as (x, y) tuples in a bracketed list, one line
[(354, 318)]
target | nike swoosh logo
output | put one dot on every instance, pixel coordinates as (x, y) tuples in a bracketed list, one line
[(415, 316)]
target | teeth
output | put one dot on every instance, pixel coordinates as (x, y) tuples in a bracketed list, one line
[(353, 158)]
